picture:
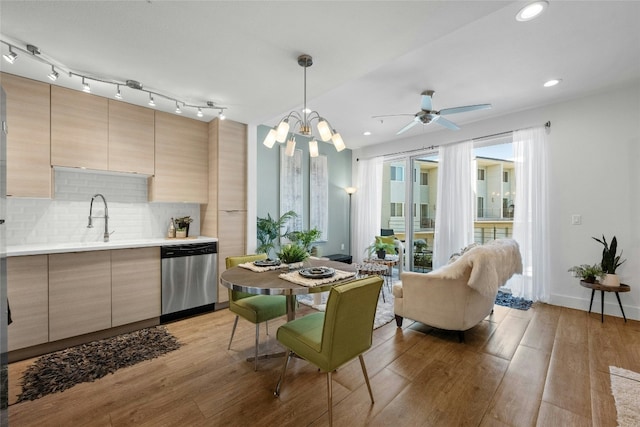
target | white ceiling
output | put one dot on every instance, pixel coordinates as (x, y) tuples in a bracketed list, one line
[(370, 57)]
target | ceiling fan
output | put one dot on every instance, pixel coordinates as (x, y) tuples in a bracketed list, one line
[(426, 115)]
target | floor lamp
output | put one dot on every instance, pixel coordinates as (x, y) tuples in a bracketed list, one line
[(350, 191)]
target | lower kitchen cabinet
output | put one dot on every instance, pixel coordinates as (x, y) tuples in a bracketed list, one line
[(135, 285), (79, 293), (27, 290)]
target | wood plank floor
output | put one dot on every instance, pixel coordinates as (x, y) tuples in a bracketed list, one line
[(547, 366)]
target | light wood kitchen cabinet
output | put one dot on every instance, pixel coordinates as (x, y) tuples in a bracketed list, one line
[(79, 293), (28, 140), (225, 216), (28, 294), (79, 129), (181, 168), (131, 138), (135, 285)]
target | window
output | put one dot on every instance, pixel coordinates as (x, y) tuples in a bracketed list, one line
[(505, 176), (480, 213), (396, 209), (397, 173), (424, 178), (480, 174)]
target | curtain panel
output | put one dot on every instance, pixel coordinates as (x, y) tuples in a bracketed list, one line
[(531, 215), (367, 205), (455, 201)]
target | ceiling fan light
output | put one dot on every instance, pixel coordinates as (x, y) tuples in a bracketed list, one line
[(531, 11), (270, 139), (338, 142), (324, 130), (282, 130), (313, 148), (291, 147)]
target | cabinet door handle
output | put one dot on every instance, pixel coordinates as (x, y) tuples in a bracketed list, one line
[(5, 128)]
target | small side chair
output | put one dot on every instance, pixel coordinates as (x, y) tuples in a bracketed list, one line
[(333, 338), (254, 308)]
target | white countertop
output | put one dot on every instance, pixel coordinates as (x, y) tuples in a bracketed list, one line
[(55, 248)]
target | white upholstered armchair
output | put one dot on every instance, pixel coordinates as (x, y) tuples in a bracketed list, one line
[(461, 294)]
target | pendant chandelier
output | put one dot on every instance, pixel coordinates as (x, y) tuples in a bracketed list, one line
[(301, 124)]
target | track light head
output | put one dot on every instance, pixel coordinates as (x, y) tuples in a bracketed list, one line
[(11, 56), (178, 110), (85, 86), (118, 95), (200, 112), (152, 103), (53, 75)]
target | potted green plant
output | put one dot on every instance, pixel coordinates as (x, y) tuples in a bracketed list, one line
[(380, 248), (182, 226), (293, 254), (586, 272), (304, 238), (270, 230), (610, 261)]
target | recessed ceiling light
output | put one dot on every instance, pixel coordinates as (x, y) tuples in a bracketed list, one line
[(531, 11), (552, 82), (367, 133)]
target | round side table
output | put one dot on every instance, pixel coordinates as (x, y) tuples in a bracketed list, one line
[(602, 288), (371, 269)]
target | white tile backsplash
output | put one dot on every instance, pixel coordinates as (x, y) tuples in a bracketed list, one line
[(64, 219)]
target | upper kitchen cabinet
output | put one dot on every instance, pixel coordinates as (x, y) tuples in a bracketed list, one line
[(232, 165), (28, 140), (131, 138), (182, 165), (79, 129)]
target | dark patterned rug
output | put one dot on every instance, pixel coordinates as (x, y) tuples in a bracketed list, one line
[(507, 300), (56, 372)]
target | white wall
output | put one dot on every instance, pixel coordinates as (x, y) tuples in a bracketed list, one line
[(64, 218), (595, 172)]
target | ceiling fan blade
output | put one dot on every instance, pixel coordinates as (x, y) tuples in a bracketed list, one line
[(444, 122), (464, 109), (409, 126), (425, 104), (392, 115)]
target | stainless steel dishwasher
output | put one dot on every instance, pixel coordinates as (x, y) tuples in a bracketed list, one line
[(189, 279)]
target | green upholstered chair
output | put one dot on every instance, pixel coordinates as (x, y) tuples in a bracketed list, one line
[(255, 308), (333, 338)]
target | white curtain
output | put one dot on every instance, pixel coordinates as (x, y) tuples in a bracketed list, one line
[(455, 201), (367, 206), (531, 216)]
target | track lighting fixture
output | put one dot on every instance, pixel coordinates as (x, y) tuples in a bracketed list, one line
[(11, 56), (33, 52), (53, 75), (302, 123)]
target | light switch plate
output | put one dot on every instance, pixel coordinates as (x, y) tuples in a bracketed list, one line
[(576, 219)]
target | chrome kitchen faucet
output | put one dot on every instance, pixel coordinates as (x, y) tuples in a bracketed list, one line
[(106, 216)]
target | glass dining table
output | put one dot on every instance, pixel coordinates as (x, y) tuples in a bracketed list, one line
[(270, 283)]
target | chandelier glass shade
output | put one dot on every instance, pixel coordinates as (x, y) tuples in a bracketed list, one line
[(301, 123)]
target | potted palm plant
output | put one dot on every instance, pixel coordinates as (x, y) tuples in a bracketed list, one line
[(269, 230), (380, 248), (610, 261), (586, 272)]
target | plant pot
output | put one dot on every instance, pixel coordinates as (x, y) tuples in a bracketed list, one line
[(381, 254), (611, 280), (181, 234)]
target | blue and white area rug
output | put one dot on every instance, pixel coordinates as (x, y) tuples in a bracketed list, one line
[(384, 311), (505, 299)]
